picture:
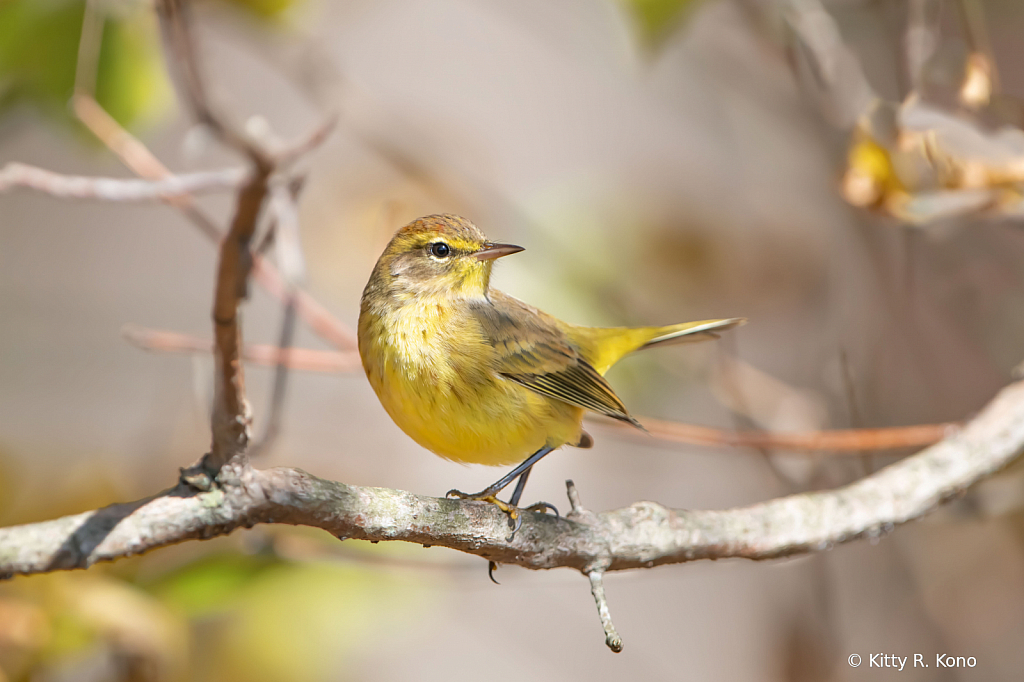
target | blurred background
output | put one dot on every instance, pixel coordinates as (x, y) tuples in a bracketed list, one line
[(844, 174)]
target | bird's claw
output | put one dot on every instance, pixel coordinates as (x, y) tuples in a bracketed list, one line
[(515, 522), (542, 507), (490, 571)]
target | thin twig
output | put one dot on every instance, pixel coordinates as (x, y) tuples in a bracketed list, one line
[(141, 161), (839, 441), (117, 189), (849, 442), (280, 382), (730, 384), (89, 43), (285, 229), (611, 637), (301, 359), (232, 417), (176, 23), (289, 154)]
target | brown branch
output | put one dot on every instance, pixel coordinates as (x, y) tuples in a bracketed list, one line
[(137, 157), (853, 442), (231, 419), (301, 359), (117, 189), (642, 535), (176, 23), (850, 442)]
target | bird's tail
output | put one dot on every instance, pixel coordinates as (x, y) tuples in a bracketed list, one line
[(688, 332), (603, 347)]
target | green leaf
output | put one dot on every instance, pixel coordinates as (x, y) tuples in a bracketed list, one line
[(655, 20), (38, 50), (39, 42), (131, 82)]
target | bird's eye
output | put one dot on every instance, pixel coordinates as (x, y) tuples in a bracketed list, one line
[(440, 250)]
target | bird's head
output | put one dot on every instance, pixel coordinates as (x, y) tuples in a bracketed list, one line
[(439, 255)]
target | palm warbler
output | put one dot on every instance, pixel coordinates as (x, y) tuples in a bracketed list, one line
[(477, 376)]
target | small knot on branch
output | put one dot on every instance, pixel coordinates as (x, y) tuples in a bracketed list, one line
[(578, 512), (196, 477)]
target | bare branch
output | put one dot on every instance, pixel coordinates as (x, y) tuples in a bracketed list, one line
[(232, 416), (302, 359), (293, 152), (611, 637), (141, 161), (231, 419), (844, 442), (281, 370), (853, 442), (89, 43), (117, 189), (176, 22), (286, 236), (643, 535)]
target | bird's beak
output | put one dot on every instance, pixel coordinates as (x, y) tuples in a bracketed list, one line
[(492, 251)]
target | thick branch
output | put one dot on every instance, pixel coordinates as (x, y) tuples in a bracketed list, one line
[(642, 535)]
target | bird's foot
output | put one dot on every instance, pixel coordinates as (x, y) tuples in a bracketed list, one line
[(515, 516), (515, 519)]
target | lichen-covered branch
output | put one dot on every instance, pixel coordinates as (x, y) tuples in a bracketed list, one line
[(644, 534)]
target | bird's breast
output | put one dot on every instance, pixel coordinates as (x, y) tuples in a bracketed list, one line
[(434, 374)]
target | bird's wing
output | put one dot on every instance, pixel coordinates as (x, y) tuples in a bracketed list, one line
[(532, 350)]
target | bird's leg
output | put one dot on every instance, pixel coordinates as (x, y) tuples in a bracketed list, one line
[(489, 494), (518, 493), (520, 486), (502, 483)]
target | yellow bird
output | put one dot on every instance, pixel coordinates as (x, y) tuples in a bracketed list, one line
[(477, 376)]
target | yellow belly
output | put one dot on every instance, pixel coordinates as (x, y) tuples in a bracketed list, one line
[(447, 399)]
